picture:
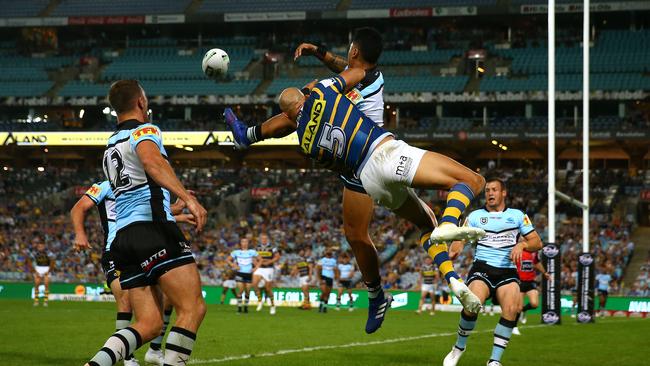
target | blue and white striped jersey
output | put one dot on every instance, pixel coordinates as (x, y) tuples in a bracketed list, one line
[(503, 230), (244, 259), (138, 198), (102, 195)]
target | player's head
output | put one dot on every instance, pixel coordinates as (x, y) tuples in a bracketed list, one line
[(243, 243), (428, 261), (344, 257), (495, 193), (366, 47), (328, 253), (291, 100), (264, 238), (129, 101), (38, 243)]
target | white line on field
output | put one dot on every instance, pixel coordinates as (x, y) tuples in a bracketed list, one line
[(336, 346)]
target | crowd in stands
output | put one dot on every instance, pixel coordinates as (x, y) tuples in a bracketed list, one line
[(299, 209)]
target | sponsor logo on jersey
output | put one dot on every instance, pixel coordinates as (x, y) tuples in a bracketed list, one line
[(94, 191), (510, 220), (312, 126), (527, 221), (354, 96), (484, 220), (144, 131)]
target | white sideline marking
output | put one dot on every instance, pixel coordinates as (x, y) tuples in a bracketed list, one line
[(348, 345)]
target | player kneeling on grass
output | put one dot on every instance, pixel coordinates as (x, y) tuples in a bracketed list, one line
[(335, 133), (493, 273)]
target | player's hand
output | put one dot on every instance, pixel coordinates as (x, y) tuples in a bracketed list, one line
[(515, 255), (199, 213), (81, 243), (238, 129), (305, 49), (547, 276), (180, 205), (185, 218)]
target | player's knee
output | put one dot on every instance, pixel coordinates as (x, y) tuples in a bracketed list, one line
[(476, 182), (510, 309), (357, 235), (149, 326)]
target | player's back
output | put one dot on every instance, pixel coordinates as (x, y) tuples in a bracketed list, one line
[(138, 197), (333, 131)]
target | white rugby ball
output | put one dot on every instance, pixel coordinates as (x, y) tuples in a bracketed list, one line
[(215, 63)]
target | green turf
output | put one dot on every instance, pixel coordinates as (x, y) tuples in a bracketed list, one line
[(69, 333)]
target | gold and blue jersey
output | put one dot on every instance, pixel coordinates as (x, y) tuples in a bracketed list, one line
[(333, 131)]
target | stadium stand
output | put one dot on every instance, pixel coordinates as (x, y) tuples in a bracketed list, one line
[(119, 7), (251, 6), (29, 8), (385, 4)]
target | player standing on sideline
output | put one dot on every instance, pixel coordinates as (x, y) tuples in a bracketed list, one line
[(603, 279), (493, 273), (527, 270), (335, 133), (149, 249), (358, 207), (327, 272), (229, 283), (346, 271), (428, 277), (268, 255), (242, 261), (304, 268), (41, 264)]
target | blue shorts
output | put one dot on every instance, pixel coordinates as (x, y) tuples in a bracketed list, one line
[(352, 183)]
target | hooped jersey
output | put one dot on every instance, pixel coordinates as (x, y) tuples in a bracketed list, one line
[(503, 230), (303, 266), (333, 131), (266, 251), (428, 274), (346, 270), (138, 198), (42, 259), (368, 96), (102, 195), (526, 268), (244, 259), (327, 267)]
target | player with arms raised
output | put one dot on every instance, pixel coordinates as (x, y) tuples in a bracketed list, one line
[(494, 273), (335, 133)]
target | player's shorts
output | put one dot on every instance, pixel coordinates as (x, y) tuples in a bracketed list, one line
[(304, 281), (229, 284), (352, 183), (525, 286), (108, 266), (145, 251), (493, 277), (346, 284), (266, 273), (329, 281), (42, 270), (603, 292), (389, 172), (244, 277), (427, 288)]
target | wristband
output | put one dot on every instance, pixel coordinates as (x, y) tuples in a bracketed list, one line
[(254, 134), (320, 53), (306, 91)]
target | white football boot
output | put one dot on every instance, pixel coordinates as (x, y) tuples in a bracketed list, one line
[(470, 302), (452, 357)]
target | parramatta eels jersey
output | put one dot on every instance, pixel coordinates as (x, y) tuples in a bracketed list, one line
[(102, 195), (428, 274), (138, 198), (368, 96), (503, 230), (266, 251), (303, 266), (333, 131), (42, 259), (244, 259)]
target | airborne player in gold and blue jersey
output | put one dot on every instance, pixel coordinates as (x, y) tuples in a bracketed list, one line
[(335, 133)]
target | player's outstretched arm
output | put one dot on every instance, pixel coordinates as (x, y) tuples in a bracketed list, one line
[(333, 61), (162, 173), (78, 216)]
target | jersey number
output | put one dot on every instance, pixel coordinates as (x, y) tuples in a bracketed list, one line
[(121, 180), (333, 140)]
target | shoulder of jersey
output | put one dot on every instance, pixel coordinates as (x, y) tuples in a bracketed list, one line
[(144, 130)]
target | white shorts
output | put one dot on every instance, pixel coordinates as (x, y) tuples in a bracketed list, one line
[(427, 288), (389, 172), (266, 273), (304, 281), (42, 270), (229, 284)]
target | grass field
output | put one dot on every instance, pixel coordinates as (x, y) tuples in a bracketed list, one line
[(69, 333)]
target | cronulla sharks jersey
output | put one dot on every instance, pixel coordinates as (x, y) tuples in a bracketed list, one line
[(138, 198), (368, 96), (102, 195), (503, 230)]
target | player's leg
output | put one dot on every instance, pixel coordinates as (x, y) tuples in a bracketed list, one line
[(182, 285), (533, 303), (247, 296), (509, 298), (238, 292), (46, 284), (224, 292), (258, 291), (432, 296), (423, 296), (268, 288), (467, 323), (339, 293), (37, 285), (124, 312), (154, 353), (146, 303), (350, 299)]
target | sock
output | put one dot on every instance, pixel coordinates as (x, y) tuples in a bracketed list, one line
[(121, 343), (46, 296), (526, 308), (465, 327), (440, 256), (459, 197), (517, 318), (502, 334), (157, 342), (122, 321), (374, 289), (179, 346)]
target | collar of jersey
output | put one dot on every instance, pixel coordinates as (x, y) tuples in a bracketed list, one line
[(129, 124), (486, 209)]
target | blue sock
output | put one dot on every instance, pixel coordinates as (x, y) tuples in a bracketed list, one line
[(502, 334), (465, 327)]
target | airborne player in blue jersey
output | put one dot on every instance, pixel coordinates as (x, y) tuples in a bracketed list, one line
[(335, 133)]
